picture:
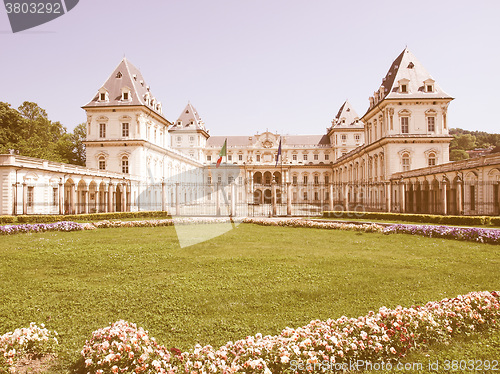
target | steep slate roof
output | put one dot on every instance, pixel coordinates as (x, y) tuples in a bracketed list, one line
[(348, 113), (406, 66), (125, 75), (188, 115), (245, 141)]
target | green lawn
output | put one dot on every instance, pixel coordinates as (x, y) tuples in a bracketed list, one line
[(252, 279)]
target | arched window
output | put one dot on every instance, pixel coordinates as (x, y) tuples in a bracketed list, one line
[(102, 163), (405, 161), (125, 164), (431, 159)]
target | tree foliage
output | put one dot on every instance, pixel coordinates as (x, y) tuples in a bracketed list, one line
[(29, 131), (465, 140)]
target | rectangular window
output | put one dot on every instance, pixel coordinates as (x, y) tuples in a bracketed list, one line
[(357, 138), (209, 180), (219, 179), (432, 161), (230, 158), (327, 195), (209, 158), (30, 196), (327, 179), (191, 139), (102, 130), (240, 181), (305, 179), (344, 138), (125, 96), (294, 157), (316, 196), (179, 138), (305, 195), (294, 179), (404, 125), (472, 197), (316, 180), (102, 165), (316, 157), (258, 158), (327, 157), (305, 157), (55, 196), (403, 88), (406, 164), (125, 130), (240, 157), (103, 97), (431, 124), (429, 88), (125, 166)]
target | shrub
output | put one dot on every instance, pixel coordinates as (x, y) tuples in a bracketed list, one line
[(31, 340), (409, 217)]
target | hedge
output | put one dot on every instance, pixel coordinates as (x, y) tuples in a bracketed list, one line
[(420, 218), (81, 217)]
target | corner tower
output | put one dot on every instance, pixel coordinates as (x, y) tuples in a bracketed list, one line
[(407, 116), (122, 119)]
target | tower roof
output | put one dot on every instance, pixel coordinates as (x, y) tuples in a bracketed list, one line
[(406, 67), (346, 117), (126, 76), (189, 120)]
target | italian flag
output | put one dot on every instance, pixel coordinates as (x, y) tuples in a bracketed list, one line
[(222, 153)]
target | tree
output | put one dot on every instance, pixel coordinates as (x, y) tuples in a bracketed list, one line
[(458, 154), (464, 142), (77, 138), (29, 131)]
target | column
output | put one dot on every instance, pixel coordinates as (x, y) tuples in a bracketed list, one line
[(85, 194), (177, 200), (233, 200), (14, 196), (460, 208), (60, 198), (163, 196), (402, 194), (288, 199), (105, 202), (124, 197), (445, 202), (330, 197), (217, 199), (273, 197), (97, 200), (346, 197), (72, 203), (25, 198), (388, 197), (111, 192)]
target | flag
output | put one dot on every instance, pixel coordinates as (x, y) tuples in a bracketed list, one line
[(279, 154), (222, 153)]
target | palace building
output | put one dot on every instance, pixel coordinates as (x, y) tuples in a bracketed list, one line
[(393, 158)]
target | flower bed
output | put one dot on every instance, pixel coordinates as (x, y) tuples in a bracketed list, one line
[(480, 235), (42, 227), (31, 340), (383, 336), (472, 234)]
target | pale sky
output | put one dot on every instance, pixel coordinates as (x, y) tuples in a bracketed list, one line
[(252, 65)]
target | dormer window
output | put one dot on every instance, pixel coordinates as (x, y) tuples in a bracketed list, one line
[(103, 95), (119, 75), (403, 85), (429, 85), (126, 95)]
